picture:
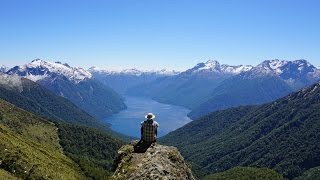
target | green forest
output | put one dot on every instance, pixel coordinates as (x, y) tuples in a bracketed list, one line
[(92, 149), (282, 135), (245, 173)]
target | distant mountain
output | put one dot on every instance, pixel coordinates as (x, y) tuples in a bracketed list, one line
[(123, 80), (297, 74), (282, 135), (74, 84), (3, 68), (240, 90), (270, 80), (41, 70), (191, 87), (214, 66), (34, 98), (133, 71)]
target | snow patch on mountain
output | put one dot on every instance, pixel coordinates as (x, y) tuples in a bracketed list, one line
[(132, 71), (166, 72), (36, 78), (11, 81), (316, 73), (39, 69), (276, 65), (270, 67), (235, 69), (214, 66), (281, 67), (4, 68)]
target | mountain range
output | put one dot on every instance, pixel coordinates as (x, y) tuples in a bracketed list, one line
[(297, 74), (74, 84), (34, 98), (211, 86), (3, 69), (44, 129), (204, 88), (191, 87), (282, 135), (125, 79), (268, 81)]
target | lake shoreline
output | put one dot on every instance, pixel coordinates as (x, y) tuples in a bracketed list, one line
[(170, 117)]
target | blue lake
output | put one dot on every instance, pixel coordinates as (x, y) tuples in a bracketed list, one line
[(169, 117)]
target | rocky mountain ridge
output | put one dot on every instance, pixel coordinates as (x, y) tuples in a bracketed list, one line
[(297, 74), (215, 66), (281, 135), (74, 84), (34, 98), (39, 69), (132, 71), (122, 80), (3, 68)]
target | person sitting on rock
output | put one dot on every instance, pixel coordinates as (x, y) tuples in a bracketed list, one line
[(149, 132), (149, 129)]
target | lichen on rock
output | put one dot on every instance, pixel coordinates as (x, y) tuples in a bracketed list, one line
[(158, 162)]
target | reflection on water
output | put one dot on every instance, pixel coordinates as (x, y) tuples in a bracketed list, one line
[(128, 121)]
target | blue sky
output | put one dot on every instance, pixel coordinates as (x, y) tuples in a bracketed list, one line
[(174, 34)]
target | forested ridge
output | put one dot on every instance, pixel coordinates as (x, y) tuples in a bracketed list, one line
[(29, 147), (245, 173), (25, 136), (37, 99), (282, 135), (92, 149), (87, 142)]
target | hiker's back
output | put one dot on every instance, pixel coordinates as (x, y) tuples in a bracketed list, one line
[(149, 128)]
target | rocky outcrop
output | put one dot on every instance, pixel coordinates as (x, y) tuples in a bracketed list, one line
[(158, 162)]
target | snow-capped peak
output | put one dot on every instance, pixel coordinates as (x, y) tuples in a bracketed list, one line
[(132, 71), (3, 68), (235, 69), (302, 64), (39, 69), (277, 64), (287, 70), (272, 65), (167, 72), (214, 66), (209, 65)]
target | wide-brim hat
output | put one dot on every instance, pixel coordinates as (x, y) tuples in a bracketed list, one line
[(150, 116)]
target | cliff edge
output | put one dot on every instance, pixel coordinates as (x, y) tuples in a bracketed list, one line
[(158, 162)]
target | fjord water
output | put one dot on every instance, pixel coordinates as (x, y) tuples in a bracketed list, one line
[(169, 117)]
